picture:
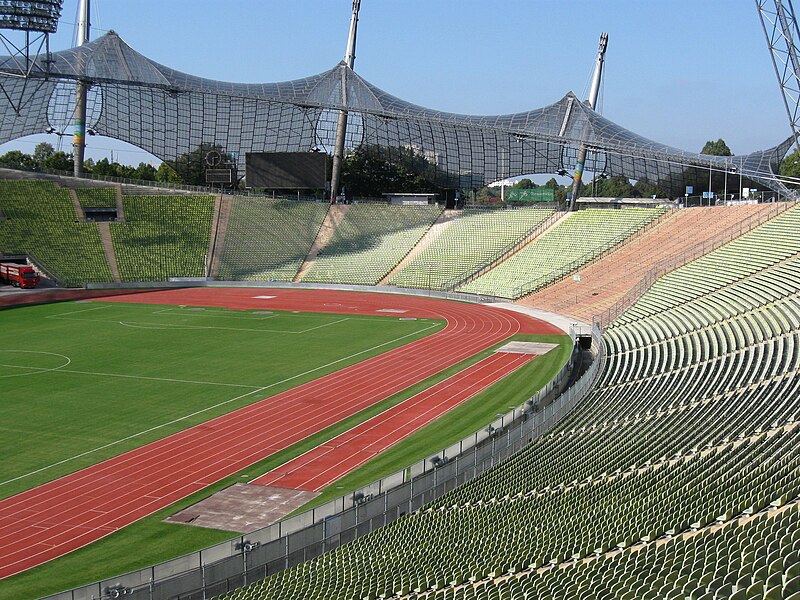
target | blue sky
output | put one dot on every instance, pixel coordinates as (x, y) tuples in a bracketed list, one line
[(677, 71)]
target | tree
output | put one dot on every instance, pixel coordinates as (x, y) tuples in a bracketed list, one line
[(613, 187), (167, 174), (717, 183), (524, 184), (368, 172), (15, 159), (57, 161), (559, 190), (123, 171), (145, 171), (42, 152), (645, 189), (103, 167), (790, 167), (718, 148), (487, 195)]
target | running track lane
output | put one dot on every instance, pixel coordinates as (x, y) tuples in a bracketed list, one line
[(72, 511), (320, 467)]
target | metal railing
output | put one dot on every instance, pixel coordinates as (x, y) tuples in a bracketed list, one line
[(604, 319), (51, 174), (544, 281)]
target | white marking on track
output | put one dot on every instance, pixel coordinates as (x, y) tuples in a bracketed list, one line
[(178, 326)]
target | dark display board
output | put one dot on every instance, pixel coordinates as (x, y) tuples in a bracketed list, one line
[(286, 170)]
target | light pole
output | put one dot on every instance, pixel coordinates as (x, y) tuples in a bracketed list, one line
[(725, 193), (740, 185)]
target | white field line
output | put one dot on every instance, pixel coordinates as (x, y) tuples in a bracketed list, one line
[(126, 438), (168, 326), (175, 326), (212, 314), (216, 314), (36, 370), (325, 325), (212, 407), (75, 312), (167, 379), (245, 316)]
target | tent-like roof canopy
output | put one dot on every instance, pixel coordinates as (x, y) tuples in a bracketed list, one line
[(170, 114)]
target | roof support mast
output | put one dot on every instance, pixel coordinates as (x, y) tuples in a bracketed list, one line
[(783, 35), (341, 124), (79, 133), (592, 102)]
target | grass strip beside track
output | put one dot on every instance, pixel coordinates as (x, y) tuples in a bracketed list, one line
[(459, 422), (151, 541)]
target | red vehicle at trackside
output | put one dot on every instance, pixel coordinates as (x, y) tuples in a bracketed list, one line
[(23, 276)]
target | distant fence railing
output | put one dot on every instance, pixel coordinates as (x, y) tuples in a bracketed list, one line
[(534, 285), (604, 319), (53, 174), (288, 543), (68, 179)]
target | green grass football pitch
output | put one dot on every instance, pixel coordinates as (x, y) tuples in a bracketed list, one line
[(85, 381), (91, 380)]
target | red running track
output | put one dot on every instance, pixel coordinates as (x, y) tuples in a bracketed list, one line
[(72, 511), (320, 467)]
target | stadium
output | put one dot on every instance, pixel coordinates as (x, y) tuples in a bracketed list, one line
[(267, 386)]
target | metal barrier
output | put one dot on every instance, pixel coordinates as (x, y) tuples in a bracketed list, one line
[(288, 543)]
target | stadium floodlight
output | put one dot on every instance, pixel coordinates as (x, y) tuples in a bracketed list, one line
[(25, 28), (26, 15)]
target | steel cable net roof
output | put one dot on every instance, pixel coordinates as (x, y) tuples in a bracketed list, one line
[(169, 114)]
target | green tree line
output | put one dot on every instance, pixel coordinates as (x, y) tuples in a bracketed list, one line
[(369, 172), (47, 158)]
